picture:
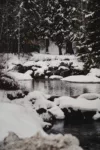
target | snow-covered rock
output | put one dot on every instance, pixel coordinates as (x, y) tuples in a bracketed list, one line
[(96, 116), (21, 76), (39, 101), (78, 104), (16, 94), (82, 79), (95, 72), (78, 108), (90, 96), (55, 77), (16, 118), (38, 142), (7, 82), (57, 113)]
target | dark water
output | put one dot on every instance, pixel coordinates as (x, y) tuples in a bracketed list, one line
[(58, 87), (87, 133)]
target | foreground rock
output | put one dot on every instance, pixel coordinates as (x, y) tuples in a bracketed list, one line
[(38, 142), (16, 94), (7, 82)]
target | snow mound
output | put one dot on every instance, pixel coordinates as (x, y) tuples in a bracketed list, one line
[(55, 77), (90, 96), (57, 112), (21, 76), (95, 72), (96, 116), (82, 79), (39, 101), (7, 82), (38, 142), (18, 119), (78, 104)]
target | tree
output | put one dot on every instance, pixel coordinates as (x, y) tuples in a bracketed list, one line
[(60, 25), (92, 43)]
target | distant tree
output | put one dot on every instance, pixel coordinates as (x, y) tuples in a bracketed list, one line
[(92, 43)]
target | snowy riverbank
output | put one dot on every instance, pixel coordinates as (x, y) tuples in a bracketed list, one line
[(41, 65), (21, 119)]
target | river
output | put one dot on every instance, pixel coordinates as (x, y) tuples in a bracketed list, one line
[(88, 133), (61, 88)]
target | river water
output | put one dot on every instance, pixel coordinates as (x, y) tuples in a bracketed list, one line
[(61, 88), (87, 133)]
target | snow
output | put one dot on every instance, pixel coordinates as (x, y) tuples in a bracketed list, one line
[(82, 79), (38, 63), (16, 118), (21, 76), (57, 112), (96, 116), (62, 67), (78, 104), (53, 49), (55, 77), (89, 15), (39, 71), (39, 100), (95, 72), (45, 60), (90, 96)]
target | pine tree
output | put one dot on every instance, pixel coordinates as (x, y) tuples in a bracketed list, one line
[(78, 24), (60, 22), (92, 56)]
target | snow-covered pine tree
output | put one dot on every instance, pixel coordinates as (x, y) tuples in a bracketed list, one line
[(92, 56), (60, 22), (78, 24)]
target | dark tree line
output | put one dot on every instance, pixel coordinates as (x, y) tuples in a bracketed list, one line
[(74, 24), (25, 24)]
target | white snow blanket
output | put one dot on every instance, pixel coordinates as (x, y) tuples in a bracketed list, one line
[(78, 104), (16, 118), (21, 76), (82, 79), (95, 72)]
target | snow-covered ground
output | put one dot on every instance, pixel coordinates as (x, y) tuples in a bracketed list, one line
[(39, 64), (16, 118), (24, 116)]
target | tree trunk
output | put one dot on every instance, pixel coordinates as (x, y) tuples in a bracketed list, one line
[(47, 44), (69, 49), (60, 50), (47, 49)]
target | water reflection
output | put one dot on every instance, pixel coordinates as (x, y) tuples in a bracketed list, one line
[(87, 133), (58, 87)]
